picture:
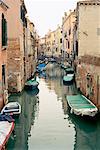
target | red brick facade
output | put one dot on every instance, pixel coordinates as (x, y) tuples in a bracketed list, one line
[(15, 66)]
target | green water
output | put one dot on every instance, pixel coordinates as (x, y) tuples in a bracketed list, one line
[(48, 124)]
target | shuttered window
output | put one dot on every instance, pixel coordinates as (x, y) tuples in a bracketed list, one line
[(4, 31), (3, 75)]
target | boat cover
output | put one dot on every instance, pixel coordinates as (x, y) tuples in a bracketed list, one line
[(6, 129), (80, 105)]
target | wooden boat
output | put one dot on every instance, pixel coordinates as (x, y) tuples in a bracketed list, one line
[(31, 84), (69, 70), (33, 92), (82, 106), (12, 108), (68, 79), (6, 129)]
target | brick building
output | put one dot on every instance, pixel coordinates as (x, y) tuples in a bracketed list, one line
[(17, 24), (87, 49), (3, 54)]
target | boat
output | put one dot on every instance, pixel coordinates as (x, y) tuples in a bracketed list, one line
[(31, 84), (12, 108), (82, 106), (68, 79), (69, 70), (6, 128), (33, 92), (63, 66), (41, 67)]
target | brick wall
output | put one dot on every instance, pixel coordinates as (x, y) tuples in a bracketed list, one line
[(88, 78), (14, 66)]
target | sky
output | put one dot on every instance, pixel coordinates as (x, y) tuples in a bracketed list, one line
[(47, 14)]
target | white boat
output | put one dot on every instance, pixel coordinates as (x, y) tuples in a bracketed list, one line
[(12, 108), (82, 106), (6, 129)]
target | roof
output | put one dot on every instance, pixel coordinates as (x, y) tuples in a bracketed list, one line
[(89, 2), (3, 4)]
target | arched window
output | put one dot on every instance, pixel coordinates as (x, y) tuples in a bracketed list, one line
[(4, 31)]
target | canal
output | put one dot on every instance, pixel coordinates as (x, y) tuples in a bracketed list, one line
[(46, 123)]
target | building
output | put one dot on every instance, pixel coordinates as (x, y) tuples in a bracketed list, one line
[(58, 42), (3, 54), (68, 22), (50, 43), (17, 25), (30, 62), (87, 49), (42, 46)]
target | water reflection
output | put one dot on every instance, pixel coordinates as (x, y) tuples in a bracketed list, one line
[(86, 130), (46, 123), (86, 136), (24, 122)]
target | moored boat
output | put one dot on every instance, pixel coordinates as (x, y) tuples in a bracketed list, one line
[(82, 106), (33, 92), (69, 70), (31, 84), (12, 108), (68, 79), (41, 67), (6, 128)]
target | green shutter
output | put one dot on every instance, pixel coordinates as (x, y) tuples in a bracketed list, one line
[(4, 32)]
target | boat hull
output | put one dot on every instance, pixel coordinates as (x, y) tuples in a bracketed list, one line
[(31, 87), (6, 129), (81, 106), (68, 79), (31, 84)]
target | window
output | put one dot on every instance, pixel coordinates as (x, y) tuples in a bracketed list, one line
[(69, 31), (68, 45), (3, 75), (76, 48), (4, 31), (61, 40), (98, 31), (22, 15)]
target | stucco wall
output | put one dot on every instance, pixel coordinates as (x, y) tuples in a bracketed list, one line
[(89, 21), (14, 24)]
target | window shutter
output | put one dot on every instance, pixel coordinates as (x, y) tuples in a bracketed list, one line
[(4, 32)]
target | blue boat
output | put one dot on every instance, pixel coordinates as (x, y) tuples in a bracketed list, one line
[(41, 67)]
